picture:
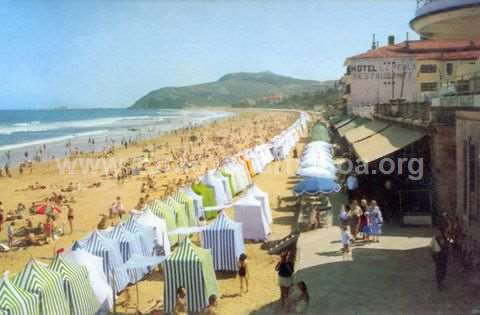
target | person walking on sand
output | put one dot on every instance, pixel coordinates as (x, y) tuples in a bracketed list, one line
[(2, 218), (243, 272), (11, 233), (70, 217), (439, 246), (346, 238), (285, 271), (116, 209)]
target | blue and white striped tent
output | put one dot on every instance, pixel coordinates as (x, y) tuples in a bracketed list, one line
[(224, 238), (77, 286), (130, 244), (145, 233), (17, 301), (100, 246), (190, 267), (147, 219), (46, 284)]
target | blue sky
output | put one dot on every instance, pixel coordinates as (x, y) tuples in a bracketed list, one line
[(110, 53)]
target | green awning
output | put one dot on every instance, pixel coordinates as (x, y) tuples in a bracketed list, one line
[(344, 122), (365, 130), (319, 133), (351, 125)]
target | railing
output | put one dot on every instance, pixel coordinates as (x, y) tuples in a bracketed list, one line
[(402, 110), (430, 6), (472, 100)]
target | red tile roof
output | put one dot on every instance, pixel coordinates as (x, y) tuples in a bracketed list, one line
[(428, 49)]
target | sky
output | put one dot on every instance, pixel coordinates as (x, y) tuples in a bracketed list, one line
[(110, 53)]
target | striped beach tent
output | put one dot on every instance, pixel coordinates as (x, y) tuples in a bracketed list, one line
[(145, 233), (190, 267), (162, 210), (100, 246), (147, 223), (197, 201), (182, 198), (130, 244), (47, 284), (224, 238), (77, 286), (180, 212), (17, 301), (96, 277)]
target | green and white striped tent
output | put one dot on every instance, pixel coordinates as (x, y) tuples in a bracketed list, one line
[(190, 267), (77, 287), (47, 284), (182, 198), (162, 210), (16, 301), (180, 212)]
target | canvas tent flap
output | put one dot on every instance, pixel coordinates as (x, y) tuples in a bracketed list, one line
[(17, 301), (365, 130), (386, 142)]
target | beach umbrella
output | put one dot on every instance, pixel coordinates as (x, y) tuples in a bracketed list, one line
[(224, 238), (17, 301), (191, 267), (47, 284), (47, 208), (77, 286), (317, 185)]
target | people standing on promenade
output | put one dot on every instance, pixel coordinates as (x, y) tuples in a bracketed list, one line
[(375, 221), (285, 271), (439, 245), (346, 239), (344, 214), (364, 224), (355, 214)]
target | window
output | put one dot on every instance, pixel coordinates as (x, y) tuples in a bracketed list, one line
[(428, 87), (428, 69), (449, 68), (463, 86)]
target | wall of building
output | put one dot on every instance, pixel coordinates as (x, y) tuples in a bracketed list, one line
[(467, 129), (378, 80), (443, 158)]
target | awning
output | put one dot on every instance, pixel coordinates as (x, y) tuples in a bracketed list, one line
[(364, 131), (351, 125), (319, 133), (344, 122), (385, 142)]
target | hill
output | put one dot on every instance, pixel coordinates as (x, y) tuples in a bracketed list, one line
[(230, 89)]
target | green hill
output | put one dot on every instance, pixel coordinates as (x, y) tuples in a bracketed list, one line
[(230, 89)]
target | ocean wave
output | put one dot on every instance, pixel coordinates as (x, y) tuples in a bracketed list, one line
[(51, 140), (36, 126)]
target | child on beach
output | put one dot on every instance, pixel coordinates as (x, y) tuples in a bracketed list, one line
[(11, 233), (243, 272), (346, 239)]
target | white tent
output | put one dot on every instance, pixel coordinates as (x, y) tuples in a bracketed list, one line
[(263, 198), (316, 172), (94, 264), (248, 211), (147, 218), (217, 185), (226, 185), (197, 201)]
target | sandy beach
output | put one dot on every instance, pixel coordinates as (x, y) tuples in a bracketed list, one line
[(213, 143)]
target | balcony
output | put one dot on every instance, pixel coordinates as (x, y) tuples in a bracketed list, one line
[(456, 101), (447, 19), (400, 111)]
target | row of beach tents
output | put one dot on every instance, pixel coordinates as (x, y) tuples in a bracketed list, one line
[(84, 279)]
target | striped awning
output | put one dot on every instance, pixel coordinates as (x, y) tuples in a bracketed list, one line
[(385, 142), (365, 130), (77, 287)]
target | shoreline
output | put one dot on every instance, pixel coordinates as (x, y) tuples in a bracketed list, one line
[(63, 146)]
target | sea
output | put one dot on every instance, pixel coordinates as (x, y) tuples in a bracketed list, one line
[(25, 134)]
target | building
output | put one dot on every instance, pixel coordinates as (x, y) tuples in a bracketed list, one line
[(412, 72), (447, 19)]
